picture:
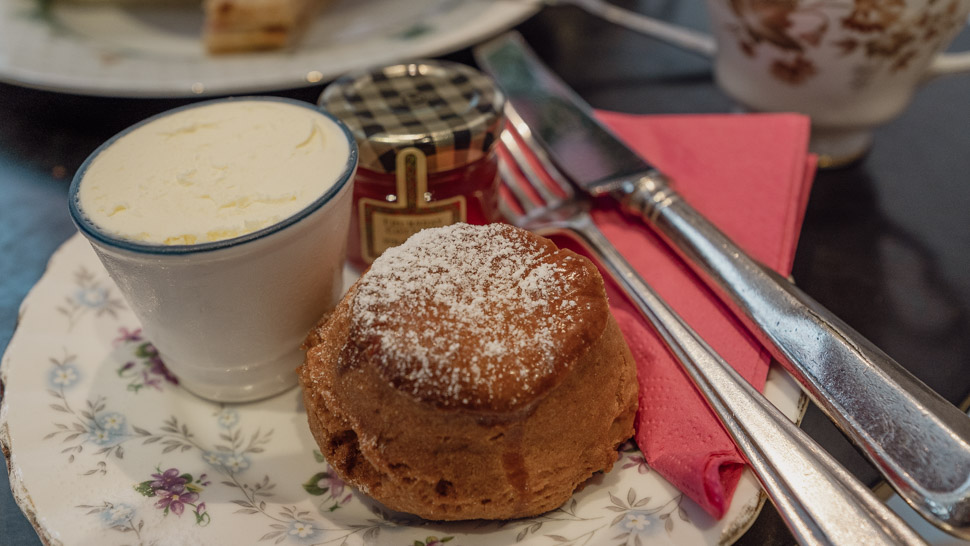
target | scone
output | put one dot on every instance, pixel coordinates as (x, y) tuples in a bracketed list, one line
[(472, 372)]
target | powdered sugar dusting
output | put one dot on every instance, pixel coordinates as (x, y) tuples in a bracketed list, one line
[(470, 315)]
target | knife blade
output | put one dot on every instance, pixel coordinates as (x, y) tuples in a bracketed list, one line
[(918, 441), (581, 146)]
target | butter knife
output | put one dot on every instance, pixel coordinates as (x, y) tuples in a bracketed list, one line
[(915, 438)]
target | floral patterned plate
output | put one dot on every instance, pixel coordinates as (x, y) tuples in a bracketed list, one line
[(154, 49), (105, 447)]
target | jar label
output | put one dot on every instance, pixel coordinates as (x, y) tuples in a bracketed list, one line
[(388, 223)]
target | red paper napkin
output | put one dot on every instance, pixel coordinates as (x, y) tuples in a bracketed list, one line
[(750, 175)]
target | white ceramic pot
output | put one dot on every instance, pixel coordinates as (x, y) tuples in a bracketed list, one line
[(229, 316)]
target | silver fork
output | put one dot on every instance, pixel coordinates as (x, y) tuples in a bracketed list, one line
[(818, 499)]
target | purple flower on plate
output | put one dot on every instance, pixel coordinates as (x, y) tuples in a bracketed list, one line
[(149, 380), (175, 498), (125, 335), (640, 462), (325, 482), (168, 479), (147, 350), (329, 484), (175, 491), (158, 368), (148, 369), (331, 480)]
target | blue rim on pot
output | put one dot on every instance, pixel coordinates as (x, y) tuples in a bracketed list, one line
[(92, 231)]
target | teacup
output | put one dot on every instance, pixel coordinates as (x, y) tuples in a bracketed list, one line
[(224, 225), (850, 65)]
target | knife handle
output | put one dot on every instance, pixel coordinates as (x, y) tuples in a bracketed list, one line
[(918, 440)]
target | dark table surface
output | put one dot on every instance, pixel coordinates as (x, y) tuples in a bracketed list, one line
[(885, 244)]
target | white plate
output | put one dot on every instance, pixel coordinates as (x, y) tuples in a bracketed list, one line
[(89, 417), (153, 48)]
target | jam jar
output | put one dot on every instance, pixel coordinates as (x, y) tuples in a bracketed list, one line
[(426, 132)]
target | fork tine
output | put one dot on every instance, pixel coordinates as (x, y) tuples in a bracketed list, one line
[(510, 182), (510, 215), (529, 172), (527, 140)]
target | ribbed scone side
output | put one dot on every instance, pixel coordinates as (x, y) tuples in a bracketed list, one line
[(497, 458)]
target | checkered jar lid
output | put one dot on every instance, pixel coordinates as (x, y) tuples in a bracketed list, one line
[(450, 111)]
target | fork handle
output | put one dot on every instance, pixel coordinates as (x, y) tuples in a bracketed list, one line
[(820, 501), (918, 440)]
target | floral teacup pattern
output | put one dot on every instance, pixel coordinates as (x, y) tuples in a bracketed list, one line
[(882, 35), (850, 65)]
